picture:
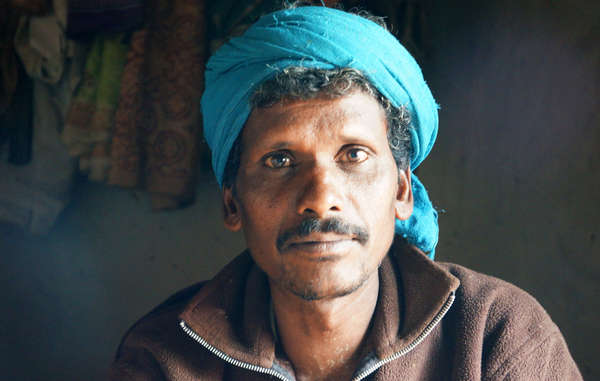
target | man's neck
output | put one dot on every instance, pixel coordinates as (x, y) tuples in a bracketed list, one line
[(322, 338)]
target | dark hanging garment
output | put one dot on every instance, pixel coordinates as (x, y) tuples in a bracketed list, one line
[(9, 75), (31, 7), (16, 91), (86, 17), (405, 19), (16, 122), (231, 18)]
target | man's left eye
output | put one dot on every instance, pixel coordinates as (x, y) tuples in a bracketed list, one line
[(355, 155)]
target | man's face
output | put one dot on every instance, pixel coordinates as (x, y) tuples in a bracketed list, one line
[(317, 192)]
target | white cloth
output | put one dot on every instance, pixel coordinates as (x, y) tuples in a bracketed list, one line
[(32, 196)]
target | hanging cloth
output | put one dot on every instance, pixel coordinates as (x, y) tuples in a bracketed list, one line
[(32, 196), (155, 142), (90, 120)]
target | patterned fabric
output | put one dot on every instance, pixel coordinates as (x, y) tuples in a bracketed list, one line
[(130, 118), (155, 142), (90, 120)]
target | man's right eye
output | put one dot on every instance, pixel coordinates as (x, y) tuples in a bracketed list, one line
[(278, 160)]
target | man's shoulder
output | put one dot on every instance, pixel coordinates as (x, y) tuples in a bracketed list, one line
[(496, 300), (475, 281), (514, 332)]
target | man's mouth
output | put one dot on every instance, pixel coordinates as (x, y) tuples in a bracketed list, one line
[(320, 243), (316, 235)]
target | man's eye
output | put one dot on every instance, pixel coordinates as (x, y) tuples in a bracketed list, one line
[(355, 155), (278, 160)]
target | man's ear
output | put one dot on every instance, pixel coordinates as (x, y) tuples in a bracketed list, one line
[(231, 210), (404, 197)]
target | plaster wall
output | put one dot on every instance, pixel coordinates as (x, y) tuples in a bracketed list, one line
[(516, 169), (70, 296)]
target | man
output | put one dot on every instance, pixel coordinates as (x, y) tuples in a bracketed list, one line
[(315, 118)]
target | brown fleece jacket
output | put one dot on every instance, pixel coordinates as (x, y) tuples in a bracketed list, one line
[(433, 321)]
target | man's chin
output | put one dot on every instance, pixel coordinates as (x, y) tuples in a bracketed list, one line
[(312, 292)]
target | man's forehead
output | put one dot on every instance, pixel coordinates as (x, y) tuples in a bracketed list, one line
[(353, 115)]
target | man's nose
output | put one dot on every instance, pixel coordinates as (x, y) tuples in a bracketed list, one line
[(321, 192)]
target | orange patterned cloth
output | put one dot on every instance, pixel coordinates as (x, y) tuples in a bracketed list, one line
[(155, 138)]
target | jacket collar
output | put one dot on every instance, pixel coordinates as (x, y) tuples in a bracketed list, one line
[(231, 312)]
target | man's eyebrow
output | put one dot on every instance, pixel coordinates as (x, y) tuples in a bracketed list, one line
[(354, 139), (279, 145)]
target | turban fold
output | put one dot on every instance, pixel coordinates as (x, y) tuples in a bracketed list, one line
[(324, 38)]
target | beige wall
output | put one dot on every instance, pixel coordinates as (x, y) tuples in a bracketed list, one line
[(516, 170)]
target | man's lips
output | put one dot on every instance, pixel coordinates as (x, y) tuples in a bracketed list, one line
[(320, 243)]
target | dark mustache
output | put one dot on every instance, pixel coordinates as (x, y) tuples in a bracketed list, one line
[(328, 225)]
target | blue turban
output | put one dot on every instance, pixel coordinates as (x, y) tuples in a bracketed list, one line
[(324, 38)]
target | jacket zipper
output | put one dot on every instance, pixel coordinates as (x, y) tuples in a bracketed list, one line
[(225, 357), (413, 344), (255, 368)]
